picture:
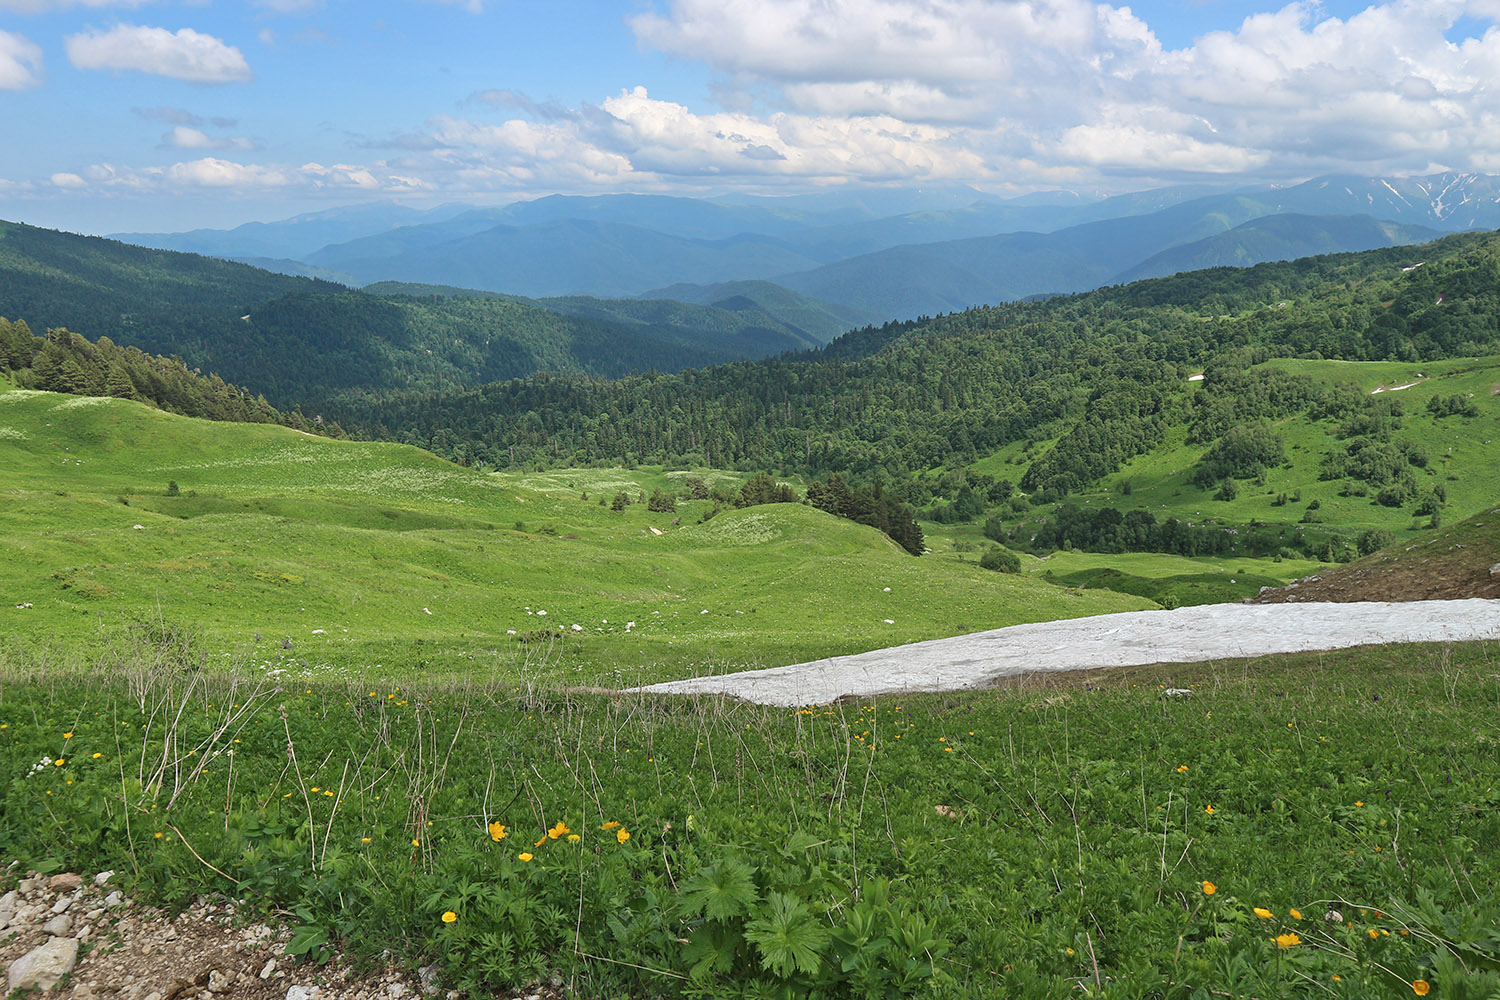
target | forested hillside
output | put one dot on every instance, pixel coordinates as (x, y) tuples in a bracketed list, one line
[(64, 361), (299, 340), (1098, 372)]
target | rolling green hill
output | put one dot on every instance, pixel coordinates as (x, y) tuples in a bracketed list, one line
[(378, 559)]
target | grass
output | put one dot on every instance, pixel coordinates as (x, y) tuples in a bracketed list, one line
[(1464, 458), (344, 559), (1051, 838)]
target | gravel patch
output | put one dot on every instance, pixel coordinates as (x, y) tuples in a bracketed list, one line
[(1186, 635)]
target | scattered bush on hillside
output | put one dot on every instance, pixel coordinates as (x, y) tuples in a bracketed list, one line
[(1000, 560), (1242, 452), (1457, 405)]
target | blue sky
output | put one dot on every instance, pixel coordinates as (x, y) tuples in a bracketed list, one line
[(165, 115)]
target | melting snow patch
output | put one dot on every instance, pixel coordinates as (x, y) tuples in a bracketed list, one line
[(1187, 635)]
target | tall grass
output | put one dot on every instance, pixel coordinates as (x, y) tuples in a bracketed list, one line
[(1054, 837)]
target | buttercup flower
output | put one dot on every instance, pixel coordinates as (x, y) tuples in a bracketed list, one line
[(449, 917), (1420, 987), (1287, 940), (622, 835), (1296, 913), (1263, 913), (1209, 888), (526, 855), (497, 832)]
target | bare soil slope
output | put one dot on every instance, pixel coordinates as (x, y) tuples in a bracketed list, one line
[(1452, 563)]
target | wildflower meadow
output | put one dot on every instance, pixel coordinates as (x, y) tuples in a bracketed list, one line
[(1313, 825)]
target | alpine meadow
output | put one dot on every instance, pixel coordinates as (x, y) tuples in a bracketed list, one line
[(806, 500)]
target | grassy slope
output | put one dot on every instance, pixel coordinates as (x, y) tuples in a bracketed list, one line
[(401, 558), (1464, 456)]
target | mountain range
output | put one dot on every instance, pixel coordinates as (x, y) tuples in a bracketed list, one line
[(870, 254)]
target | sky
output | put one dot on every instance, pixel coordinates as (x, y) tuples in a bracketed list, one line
[(164, 115)]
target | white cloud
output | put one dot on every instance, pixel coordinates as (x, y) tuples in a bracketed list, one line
[(1062, 78), (20, 62), (184, 137), (212, 173), (44, 6), (290, 6), (183, 55)]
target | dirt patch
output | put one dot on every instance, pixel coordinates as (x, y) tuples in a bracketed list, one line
[(127, 951), (1450, 564)]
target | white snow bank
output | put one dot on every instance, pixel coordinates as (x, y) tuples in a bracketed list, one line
[(1187, 635)]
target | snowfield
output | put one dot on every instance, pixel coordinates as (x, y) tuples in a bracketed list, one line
[(1186, 635)]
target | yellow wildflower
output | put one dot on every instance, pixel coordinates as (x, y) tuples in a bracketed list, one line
[(610, 825), (98, 755), (622, 835), (526, 855), (1182, 769), (1209, 810), (1373, 933), (1287, 940), (573, 838), (449, 917), (1420, 987), (497, 832), (1296, 913), (59, 762), (558, 830), (67, 736), (1263, 913), (1209, 888)]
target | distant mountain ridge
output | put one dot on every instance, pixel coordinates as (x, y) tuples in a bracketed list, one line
[(299, 340), (880, 254)]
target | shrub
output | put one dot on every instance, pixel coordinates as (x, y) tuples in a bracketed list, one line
[(1000, 560)]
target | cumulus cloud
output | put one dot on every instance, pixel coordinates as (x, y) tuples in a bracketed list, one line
[(20, 62), (1075, 78), (212, 173), (183, 55)]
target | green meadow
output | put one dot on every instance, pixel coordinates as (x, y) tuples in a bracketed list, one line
[(317, 676), (1310, 825), (379, 560)]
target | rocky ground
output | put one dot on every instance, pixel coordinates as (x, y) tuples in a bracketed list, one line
[(84, 939)]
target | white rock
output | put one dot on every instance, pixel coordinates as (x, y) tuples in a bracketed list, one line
[(397, 990), (303, 993), (219, 981), (59, 926), (114, 899), (1495, 570), (269, 969), (42, 967), (103, 877), (428, 974), (1178, 693), (62, 905)]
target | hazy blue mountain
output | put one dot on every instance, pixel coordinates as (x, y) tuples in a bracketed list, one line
[(574, 257), (295, 268), (1278, 237), (804, 312), (930, 278), (292, 238)]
